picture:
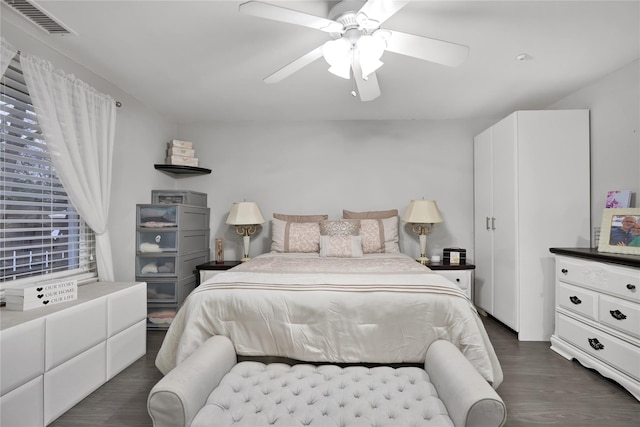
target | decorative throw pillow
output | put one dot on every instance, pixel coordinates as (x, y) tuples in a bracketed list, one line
[(369, 214), (341, 246), (343, 227), (379, 235), (295, 236), (300, 218)]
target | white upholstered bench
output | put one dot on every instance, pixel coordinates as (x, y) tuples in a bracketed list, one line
[(210, 388)]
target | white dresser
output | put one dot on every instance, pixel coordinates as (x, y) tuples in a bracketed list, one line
[(53, 357), (598, 313)]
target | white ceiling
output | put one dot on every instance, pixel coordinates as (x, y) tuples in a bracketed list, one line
[(203, 60)]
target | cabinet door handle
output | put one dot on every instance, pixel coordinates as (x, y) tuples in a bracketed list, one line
[(493, 223), (595, 344), (617, 314), (575, 300), (564, 271), (631, 287), (487, 223)]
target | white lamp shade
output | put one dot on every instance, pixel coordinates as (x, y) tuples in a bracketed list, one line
[(245, 213), (370, 49), (337, 53), (422, 212)]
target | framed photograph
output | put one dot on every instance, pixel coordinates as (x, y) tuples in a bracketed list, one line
[(620, 231)]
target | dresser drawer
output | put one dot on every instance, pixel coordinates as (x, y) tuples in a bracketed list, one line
[(460, 278), (162, 291), (169, 265), (161, 315), (151, 240), (577, 299), (185, 217), (620, 314), (170, 291), (619, 281), (613, 351)]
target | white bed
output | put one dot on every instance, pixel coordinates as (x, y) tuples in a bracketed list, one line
[(376, 308)]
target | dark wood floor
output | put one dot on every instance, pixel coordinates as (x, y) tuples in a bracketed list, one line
[(540, 388)]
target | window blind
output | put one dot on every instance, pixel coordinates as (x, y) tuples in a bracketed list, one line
[(41, 232)]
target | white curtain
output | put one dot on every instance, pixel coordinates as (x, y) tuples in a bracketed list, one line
[(7, 52), (78, 124)]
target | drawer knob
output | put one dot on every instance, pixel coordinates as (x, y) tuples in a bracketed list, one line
[(617, 314), (564, 271), (631, 287), (574, 299), (595, 344)]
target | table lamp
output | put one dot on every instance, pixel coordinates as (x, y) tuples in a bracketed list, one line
[(422, 214), (246, 217)]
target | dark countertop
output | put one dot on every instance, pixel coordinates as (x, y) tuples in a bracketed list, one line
[(593, 254)]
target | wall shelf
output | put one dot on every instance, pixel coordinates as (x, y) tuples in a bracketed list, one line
[(178, 171)]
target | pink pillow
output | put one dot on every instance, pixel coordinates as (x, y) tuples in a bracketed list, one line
[(379, 235), (295, 236)]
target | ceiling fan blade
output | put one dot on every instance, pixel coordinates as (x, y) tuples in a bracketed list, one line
[(367, 89), (438, 51), (381, 10), (277, 13), (294, 66)]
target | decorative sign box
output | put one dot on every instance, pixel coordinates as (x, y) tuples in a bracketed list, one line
[(454, 256), (36, 295)]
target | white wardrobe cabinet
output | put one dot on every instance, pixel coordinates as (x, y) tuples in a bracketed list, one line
[(531, 192)]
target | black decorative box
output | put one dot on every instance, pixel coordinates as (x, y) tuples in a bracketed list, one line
[(454, 256)]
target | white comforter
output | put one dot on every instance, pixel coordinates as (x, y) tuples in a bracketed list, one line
[(383, 308)]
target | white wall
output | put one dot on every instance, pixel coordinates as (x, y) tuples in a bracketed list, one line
[(324, 167), (614, 102)]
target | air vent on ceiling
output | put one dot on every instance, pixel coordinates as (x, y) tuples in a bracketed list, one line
[(38, 16)]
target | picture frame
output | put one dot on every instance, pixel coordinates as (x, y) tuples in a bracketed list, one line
[(618, 199), (615, 224)]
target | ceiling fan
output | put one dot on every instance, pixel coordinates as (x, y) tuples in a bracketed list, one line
[(357, 41)]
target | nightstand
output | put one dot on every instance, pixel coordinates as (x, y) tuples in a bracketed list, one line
[(460, 274), (209, 269)]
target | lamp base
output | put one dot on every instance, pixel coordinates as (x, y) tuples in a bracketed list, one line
[(423, 260)]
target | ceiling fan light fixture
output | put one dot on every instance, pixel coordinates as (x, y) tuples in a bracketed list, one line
[(365, 23), (370, 50), (338, 53), (342, 70)]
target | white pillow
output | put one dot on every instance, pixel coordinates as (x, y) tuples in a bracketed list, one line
[(341, 246)]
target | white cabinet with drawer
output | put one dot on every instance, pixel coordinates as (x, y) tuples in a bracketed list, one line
[(598, 313), (53, 357)]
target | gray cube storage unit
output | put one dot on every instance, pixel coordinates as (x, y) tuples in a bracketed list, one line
[(171, 239), (170, 197)]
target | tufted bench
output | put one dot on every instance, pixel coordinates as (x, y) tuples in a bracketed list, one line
[(210, 388)]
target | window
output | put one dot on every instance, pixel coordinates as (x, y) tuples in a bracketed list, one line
[(40, 231)]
